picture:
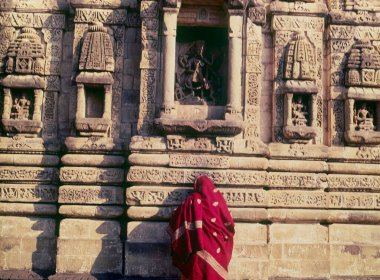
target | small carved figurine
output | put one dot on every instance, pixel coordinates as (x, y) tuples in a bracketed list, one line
[(364, 118), (20, 108), (299, 113)]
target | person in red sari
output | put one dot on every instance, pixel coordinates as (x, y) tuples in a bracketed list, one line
[(201, 232)]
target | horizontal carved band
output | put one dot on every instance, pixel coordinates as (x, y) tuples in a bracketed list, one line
[(91, 175), (26, 174), (28, 193), (90, 195), (259, 198)]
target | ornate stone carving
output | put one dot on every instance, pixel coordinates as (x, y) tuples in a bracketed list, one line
[(28, 193), (26, 54), (91, 175), (197, 77), (90, 195), (94, 83), (23, 86), (363, 66), (300, 90), (300, 59), (361, 100), (28, 174)]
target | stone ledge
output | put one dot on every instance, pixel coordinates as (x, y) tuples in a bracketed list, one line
[(19, 275)]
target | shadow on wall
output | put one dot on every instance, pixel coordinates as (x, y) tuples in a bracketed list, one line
[(28, 247)]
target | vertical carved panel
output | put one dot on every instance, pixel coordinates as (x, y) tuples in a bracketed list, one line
[(312, 29), (253, 80), (149, 63)]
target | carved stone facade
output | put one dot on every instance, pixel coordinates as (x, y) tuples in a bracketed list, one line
[(111, 109)]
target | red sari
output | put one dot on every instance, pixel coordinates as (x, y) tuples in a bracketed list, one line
[(202, 231)]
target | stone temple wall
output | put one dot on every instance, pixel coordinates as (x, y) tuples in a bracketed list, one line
[(110, 109)]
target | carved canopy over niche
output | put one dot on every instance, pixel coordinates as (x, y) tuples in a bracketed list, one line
[(26, 54), (97, 52), (94, 83), (23, 87), (363, 68)]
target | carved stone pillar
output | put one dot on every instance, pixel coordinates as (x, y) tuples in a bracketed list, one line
[(169, 45), (235, 52), (107, 101), (81, 102), (7, 104), (38, 95)]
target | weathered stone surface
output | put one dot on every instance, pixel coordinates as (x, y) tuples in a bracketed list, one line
[(92, 160), (29, 160), (354, 250), (89, 246), (90, 211), (28, 209), (27, 243)]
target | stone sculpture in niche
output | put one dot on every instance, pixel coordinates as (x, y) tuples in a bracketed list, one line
[(197, 78), (94, 83), (363, 96), (300, 89), (23, 87)]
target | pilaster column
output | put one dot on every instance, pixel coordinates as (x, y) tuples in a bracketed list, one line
[(235, 60), (169, 56), (81, 102), (312, 110), (288, 100), (7, 104), (107, 101), (349, 113), (38, 95)]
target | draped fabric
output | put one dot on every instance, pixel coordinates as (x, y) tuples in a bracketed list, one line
[(202, 231)]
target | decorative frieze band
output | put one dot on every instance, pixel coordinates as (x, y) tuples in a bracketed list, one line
[(91, 175), (321, 181), (188, 176), (258, 198), (28, 193), (90, 195), (286, 22), (37, 20), (27, 174), (107, 16)]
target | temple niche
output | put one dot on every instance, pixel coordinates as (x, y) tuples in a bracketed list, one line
[(94, 83), (23, 87), (300, 89), (205, 74), (362, 102)]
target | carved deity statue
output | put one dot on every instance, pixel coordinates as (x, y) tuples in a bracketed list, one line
[(21, 108), (299, 113), (197, 80), (363, 118)]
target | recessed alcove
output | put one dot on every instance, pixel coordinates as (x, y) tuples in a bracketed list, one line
[(202, 66), (94, 101)]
